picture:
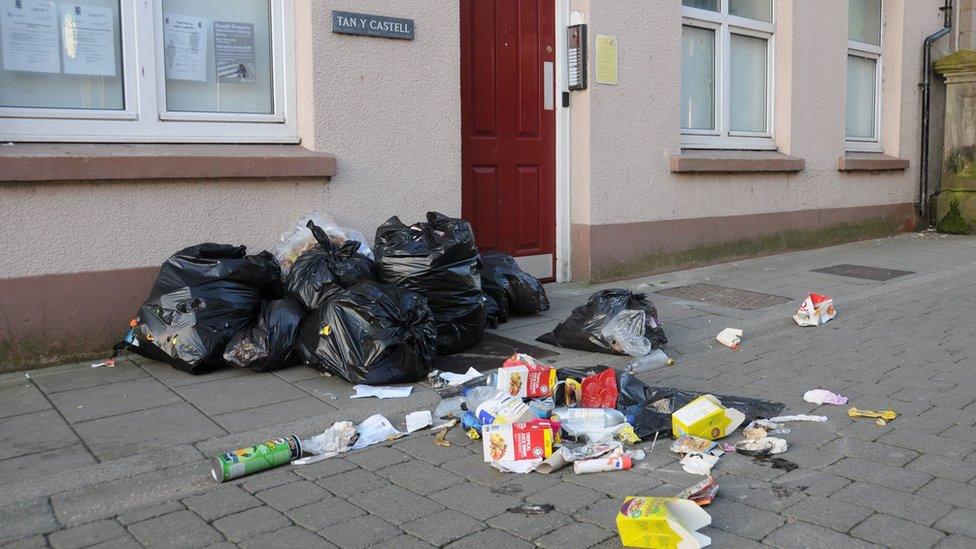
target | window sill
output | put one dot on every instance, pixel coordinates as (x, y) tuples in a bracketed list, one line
[(870, 162), (702, 161), (81, 162)]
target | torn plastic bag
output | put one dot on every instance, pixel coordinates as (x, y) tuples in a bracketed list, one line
[(325, 270), (625, 332), (371, 333), (583, 329), (514, 291), (269, 343), (298, 239), (439, 260), (204, 294)]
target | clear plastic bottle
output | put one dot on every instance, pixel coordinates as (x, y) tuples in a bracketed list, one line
[(475, 396), (651, 361), (589, 418)]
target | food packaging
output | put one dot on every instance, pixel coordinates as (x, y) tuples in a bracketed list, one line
[(815, 310), (662, 523), (517, 441), (601, 465), (503, 408), (523, 376), (705, 417)]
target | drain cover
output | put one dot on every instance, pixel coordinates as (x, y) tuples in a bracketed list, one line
[(863, 271), (722, 296)]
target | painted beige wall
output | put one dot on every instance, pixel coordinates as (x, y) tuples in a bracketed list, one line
[(633, 127)]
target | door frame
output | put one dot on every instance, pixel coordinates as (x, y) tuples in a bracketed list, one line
[(563, 265)]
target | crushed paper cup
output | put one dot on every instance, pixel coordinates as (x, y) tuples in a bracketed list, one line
[(730, 337)]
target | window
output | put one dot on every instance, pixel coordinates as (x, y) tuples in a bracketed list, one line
[(864, 75), (147, 71), (726, 74)]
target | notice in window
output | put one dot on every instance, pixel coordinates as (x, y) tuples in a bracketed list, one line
[(234, 51), (88, 40), (29, 33), (185, 47), (606, 59)]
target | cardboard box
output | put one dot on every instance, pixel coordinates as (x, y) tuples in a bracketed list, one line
[(662, 523), (815, 310), (705, 417), (503, 408), (523, 376), (517, 441)]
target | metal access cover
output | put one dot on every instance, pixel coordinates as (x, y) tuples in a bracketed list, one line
[(865, 272), (722, 296)]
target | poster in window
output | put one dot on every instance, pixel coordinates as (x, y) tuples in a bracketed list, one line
[(29, 32), (185, 47), (234, 51), (88, 40)]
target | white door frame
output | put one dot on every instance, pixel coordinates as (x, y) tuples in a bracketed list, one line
[(563, 218)]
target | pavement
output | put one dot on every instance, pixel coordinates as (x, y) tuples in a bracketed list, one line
[(118, 457)]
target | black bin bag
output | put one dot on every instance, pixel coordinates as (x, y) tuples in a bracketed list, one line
[(269, 343), (203, 296), (325, 270), (508, 289), (583, 329), (439, 260), (371, 333)]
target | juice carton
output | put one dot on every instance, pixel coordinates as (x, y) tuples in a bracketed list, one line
[(705, 417), (503, 408), (523, 376), (517, 441), (815, 310), (662, 523)]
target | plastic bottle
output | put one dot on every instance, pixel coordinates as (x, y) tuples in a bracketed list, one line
[(475, 396), (651, 361), (589, 418)]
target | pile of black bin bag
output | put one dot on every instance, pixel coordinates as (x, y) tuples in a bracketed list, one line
[(429, 292)]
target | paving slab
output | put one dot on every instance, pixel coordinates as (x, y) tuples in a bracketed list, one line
[(136, 432), (112, 399), (21, 397), (44, 463), (34, 432)]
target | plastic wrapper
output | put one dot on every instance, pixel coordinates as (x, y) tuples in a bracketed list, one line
[(299, 239), (625, 332), (325, 270), (439, 260), (203, 296), (334, 440), (371, 333), (269, 343), (508, 289), (583, 330), (599, 390)]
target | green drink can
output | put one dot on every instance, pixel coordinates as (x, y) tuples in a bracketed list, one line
[(252, 459)]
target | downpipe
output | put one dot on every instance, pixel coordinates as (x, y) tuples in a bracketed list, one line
[(923, 182)]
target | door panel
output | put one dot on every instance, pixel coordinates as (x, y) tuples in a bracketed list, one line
[(508, 146)]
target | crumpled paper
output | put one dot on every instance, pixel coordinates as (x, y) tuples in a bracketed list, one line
[(822, 396)]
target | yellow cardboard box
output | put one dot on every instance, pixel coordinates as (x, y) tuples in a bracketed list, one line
[(662, 523), (705, 417)]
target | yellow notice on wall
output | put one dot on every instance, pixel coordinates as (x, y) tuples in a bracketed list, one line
[(606, 59)]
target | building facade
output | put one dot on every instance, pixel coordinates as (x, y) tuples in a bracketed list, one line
[(593, 140)]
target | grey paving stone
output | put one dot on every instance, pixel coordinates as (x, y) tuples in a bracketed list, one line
[(220, 502), (815, 483), (402, 542), (238, 393), (958, 521), (25, 519), (529, 527), (943, 467), (872, 451), (34, 432), (832, 513), (944, 446), (760, 494), (617, 483), (296, 494), (323, 514), (805, 535), (324, 468), (375, 458), (567, 497), (443, 527), (113, 399), (27, 543), (474, 468), (892, 477), (950, 491), (44, 463), (268, 479), (250, 523), (721, 538), (743, 520), (811, 458), (85, 376), (360, 532), (603, 513), (272, 414), (352, 482), (146, 513), (490, 538), (179, 529), (124, 542), (956, 541), (893, 532), (21, 397), (395, 504), (475, 501), (419, 477), (86, 534), (297, 373), (422, 447), (176, 378), (137, 432), (917, 508), (292, 536), (580, 535), (959, 417)]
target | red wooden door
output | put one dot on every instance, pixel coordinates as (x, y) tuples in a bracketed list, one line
[(508, 127)]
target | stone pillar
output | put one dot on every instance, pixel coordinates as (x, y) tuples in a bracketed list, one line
[(955, 207)]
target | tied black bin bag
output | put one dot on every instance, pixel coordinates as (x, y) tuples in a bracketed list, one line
[(508, 289), (439, 260), (371, 333), (269, 343), (203, 296), (324, 270), (583, 329)]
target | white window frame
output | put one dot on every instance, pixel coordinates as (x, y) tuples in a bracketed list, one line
[(868, 51), (145, 118), (724, 25)]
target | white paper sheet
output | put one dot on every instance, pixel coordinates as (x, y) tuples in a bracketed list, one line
[(29, 30), (366, 391), (89, 40), (456, 379), (373, 430), (419, 420), (185, 47)]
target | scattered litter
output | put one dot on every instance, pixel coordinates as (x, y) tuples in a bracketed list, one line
[(701, 493), (373, 430), (440, 439), (600, 390), (651, 361), (821, 396), (524, 377), (881, 418), (706, 417), (333, 441), (699, 464), (419, 420), (798, 417), (765, 446), (517, 467), (503, 408), (625, 333), (662, 523), (815, 310), (453, 379), (530, 509), (783, 463), (110, 363), (252, 459), (687, 444), (517, 441), (566, 455), (730, 337), (615, 463), (366, 391), (450, 407)]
